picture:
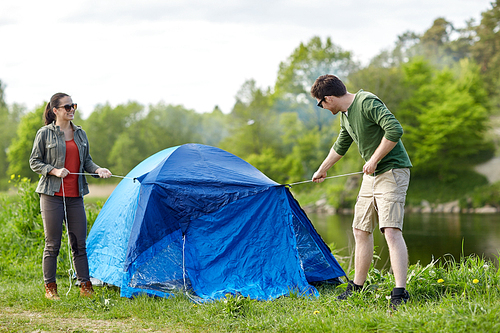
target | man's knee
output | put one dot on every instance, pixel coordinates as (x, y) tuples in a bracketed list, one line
[(393, 235), (361, 234)]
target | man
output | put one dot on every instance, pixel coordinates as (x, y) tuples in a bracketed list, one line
[(367, 121)]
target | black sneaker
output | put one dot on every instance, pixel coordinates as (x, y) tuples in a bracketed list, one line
[(399, 296), (351, 287)]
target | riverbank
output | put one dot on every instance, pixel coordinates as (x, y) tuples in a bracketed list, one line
[(322, 207)]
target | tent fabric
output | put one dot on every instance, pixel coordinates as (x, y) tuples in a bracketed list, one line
[(202, 219)]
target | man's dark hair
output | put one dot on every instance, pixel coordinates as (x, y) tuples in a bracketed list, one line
[(328, 85)]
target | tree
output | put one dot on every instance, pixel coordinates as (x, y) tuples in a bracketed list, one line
[(435, 40), (164, 126), (104, 126), (297, 74), (486, 51), (9, 120), (385, 82), (20, 149), (253, 123), (447, 133), (213, 127), (406, 47)]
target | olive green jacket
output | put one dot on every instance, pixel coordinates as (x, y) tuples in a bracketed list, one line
[(49, 152), (367, 121)]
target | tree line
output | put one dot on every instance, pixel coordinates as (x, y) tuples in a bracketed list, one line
[(443, 86)]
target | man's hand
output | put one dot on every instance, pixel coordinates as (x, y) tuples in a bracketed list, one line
[(370, 167), (319, 176), (383, 149)]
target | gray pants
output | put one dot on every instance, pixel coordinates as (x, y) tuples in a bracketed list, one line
[(52, 209)]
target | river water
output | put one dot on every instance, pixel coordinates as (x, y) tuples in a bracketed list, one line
[(427, 236)]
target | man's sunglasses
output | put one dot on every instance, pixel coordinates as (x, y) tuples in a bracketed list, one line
[(320, 103), (68, 107)]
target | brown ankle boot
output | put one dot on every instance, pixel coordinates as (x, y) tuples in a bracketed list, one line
[(86, 289), (51, 291)]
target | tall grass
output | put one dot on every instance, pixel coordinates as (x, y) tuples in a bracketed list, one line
[(447, 295)]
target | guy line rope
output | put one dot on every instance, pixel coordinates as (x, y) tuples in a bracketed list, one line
[(308, 181), (95, 174)]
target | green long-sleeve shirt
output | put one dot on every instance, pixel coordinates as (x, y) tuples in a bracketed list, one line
[(366, 122)]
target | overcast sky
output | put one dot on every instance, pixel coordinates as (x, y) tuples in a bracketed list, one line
[(190, 52)]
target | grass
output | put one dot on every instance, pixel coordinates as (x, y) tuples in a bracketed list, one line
[(447, 295), (458, 303)]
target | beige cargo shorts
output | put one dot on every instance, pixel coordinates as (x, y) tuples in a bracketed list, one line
[(383, 196)]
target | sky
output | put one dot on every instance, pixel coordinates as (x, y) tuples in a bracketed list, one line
[(193, 53)]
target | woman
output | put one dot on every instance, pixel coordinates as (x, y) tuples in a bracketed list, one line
[(61, 154)]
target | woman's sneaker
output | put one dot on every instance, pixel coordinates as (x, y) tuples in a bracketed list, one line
[(351, 287), (399, 296)]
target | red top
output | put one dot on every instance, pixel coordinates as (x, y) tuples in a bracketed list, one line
[(72, 163)]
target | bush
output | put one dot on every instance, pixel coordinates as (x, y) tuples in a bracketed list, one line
[(21, 230), (432, 189), (22, 226), (486, 195)]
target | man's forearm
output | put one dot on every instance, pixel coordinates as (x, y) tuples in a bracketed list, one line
[(382, 150), (332, 158), (329, 161)]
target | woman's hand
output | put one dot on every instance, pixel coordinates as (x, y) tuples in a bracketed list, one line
[(61, 173), (103, 173)]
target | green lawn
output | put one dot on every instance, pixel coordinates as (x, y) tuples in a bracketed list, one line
[(446, 295)]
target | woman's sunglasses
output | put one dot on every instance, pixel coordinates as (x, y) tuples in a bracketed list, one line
[(68, 107)]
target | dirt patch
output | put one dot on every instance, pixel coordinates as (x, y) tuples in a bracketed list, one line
[(100, 191), (35, 322)]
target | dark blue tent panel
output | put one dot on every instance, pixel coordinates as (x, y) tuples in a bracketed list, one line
[(202, 219)]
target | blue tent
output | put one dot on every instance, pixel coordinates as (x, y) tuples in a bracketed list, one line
[(201, 219)]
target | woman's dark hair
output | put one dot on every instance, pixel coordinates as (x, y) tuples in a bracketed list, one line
[(48, 114), (328, 85)]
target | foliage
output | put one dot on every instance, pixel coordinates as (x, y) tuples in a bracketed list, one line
[(297, 74), (486, 51), (307, 62), (162, 127), (104, 126), (387, 82), (485, 195), (236, 305), (21, 232), (20, 149), (9, 120), (448, 117), (431, 189), (24, 215), (254, 128)]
